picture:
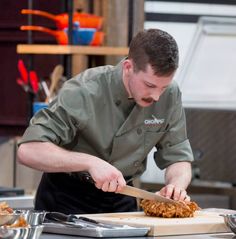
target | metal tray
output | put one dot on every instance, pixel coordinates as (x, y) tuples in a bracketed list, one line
[(119, 231)]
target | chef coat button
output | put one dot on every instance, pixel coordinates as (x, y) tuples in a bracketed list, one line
[(118, 102), (139, 131), (136, 164)]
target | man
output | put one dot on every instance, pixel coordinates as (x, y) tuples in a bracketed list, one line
[(104, 122)]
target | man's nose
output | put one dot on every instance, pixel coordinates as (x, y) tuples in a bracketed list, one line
[(155, 97), (156, 93)]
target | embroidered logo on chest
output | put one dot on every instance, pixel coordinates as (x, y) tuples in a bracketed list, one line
[(153, 121)]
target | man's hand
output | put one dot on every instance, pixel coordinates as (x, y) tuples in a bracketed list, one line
[(177, 177), (57, 159), (174, 192), (106, 177)]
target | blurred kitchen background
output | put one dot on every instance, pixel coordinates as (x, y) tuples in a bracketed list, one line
[(206, 34)]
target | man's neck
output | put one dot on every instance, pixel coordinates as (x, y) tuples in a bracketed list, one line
[(125, 82)]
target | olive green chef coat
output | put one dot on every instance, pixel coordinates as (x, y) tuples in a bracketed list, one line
[(92, 114)]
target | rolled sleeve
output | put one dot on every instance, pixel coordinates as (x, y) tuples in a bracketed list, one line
[(174, 145), (61, 122), (48, 126), (176, 153)]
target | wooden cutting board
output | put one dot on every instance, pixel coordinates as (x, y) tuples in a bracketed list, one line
[(202, 222)]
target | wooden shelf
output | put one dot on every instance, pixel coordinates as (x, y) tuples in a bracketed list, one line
[(66, 50)]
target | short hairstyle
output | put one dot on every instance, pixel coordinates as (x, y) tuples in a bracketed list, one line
[(157, 48)]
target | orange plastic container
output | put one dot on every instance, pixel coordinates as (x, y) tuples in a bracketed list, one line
[(98, 39), (62, 36), (85, 20)]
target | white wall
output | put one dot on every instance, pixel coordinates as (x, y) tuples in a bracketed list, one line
[(183, 32)]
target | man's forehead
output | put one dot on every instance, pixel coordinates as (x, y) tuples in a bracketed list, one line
[(151, 77)]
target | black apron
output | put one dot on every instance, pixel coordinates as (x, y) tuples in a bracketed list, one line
[(62, 192)]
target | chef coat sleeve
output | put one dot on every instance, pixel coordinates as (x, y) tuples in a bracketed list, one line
[(63, 119), (174, 145)]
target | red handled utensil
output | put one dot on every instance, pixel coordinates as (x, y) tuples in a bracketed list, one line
[(23, 71), (20, 82), (27, 78), (34, 81)]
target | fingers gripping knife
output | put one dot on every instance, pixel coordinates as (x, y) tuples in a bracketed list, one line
[(132, 191)]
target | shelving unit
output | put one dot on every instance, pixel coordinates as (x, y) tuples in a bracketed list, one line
[(71, 49), (85, 56)]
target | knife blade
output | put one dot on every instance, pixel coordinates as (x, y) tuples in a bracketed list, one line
[(140, 193), (132, 191)]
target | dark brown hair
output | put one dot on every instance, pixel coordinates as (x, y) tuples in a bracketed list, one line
[(157, 48)]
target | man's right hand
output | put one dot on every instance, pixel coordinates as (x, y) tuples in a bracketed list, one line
[(57, 159), (106, 177)]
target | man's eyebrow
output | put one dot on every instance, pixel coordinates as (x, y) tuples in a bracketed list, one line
[(154, 85)]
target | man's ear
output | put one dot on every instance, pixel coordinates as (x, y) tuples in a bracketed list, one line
[(128, 66)]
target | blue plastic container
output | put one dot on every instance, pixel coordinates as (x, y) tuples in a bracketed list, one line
[(83, 36), (38, 106)]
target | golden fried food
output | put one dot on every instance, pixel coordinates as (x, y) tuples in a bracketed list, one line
[(21, 222), (168, 210), (4, 208)]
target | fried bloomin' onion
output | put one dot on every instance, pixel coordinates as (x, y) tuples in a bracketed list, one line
[(4, 208), (21, 222), (168, 210)]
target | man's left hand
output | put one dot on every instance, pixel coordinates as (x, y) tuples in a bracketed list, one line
[(174, 192)]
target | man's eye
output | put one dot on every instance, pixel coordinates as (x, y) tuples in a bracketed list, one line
[(150, 85)]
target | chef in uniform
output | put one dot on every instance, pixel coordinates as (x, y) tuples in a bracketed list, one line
[(105, 121)]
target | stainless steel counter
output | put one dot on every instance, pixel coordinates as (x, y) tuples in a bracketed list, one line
[(19, 202), (205, 236)]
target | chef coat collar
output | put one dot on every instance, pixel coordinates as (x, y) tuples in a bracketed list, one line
[(121, 96)]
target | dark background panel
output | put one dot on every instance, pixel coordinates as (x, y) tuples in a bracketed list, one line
[(212, 134), (14, 107)]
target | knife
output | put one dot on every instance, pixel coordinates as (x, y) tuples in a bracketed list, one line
[(132, 191), (140, 193)]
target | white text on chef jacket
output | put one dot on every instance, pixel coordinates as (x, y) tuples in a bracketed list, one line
[(154, 121)]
